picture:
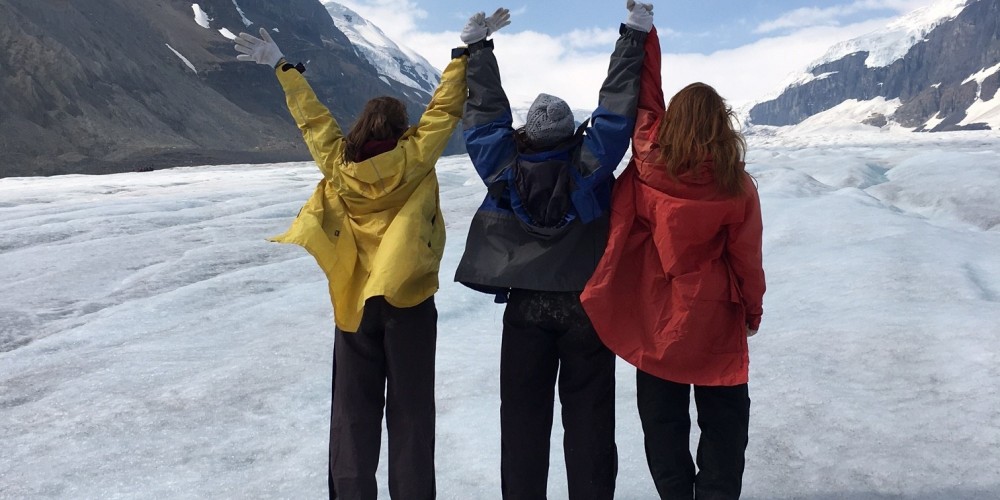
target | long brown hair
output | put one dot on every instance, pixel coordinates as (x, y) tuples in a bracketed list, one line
[(382, 119), (697, 126)]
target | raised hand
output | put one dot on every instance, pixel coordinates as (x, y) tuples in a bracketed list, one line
[(640, 15), (476, 29), (497, 20), (261, 50)]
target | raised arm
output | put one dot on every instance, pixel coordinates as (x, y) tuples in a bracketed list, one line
[(487, 124), (612, 122), (321, 132), (651, 106), (423, 148)]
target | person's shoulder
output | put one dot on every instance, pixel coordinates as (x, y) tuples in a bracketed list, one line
[(749, 183)]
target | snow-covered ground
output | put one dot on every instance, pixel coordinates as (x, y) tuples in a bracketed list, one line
[(153, 345)]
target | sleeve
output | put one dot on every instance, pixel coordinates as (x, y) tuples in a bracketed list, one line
[(743, 249), (423, 148), (612, 122), (488, 124), (651, 104), (320, 130)]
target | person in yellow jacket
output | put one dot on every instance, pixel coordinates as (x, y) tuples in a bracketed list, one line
[(374, 226)]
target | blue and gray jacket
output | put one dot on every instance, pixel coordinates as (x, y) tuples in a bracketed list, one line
[(544, 222)]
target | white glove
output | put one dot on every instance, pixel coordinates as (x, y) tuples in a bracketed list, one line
[(259, 51), (476, 29), (497, 20), (640, 15), (750, 333)]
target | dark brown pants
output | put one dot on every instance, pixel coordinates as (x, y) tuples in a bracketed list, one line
[(724, 420), (545, 334), (388, 363)]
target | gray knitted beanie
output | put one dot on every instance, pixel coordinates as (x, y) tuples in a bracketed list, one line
[(549, 121)]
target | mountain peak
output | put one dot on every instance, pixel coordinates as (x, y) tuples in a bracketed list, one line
[(935, 69), (88, 96), (393, 61), (891, 43)]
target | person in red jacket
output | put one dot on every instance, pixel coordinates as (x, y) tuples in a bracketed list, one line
[(680, 286)]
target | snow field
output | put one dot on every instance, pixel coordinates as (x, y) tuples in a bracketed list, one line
[(153, 345)]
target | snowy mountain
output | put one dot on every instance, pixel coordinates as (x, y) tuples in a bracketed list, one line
[(101, 86), (892, 43), (935, 69), (393, 62)]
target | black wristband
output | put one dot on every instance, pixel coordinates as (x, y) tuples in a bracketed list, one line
[(299, 67), (480, 45)]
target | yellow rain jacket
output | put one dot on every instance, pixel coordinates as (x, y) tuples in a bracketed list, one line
[(375, 227)]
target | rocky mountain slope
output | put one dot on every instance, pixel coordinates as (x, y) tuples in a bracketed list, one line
[(96, 86), (396, 64), (936, 69)]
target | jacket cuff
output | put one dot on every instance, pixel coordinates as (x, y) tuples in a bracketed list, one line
[(480, 45), (628, 32), (753, 321)]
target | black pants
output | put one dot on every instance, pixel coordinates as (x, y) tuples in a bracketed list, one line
[(546, 333), (388, 362), (724, 420)]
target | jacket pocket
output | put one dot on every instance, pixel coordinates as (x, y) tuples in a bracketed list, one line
[(713, 326)]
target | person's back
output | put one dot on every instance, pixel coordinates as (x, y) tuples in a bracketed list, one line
[(374, 226), (543, 223), (378, 180), (533, 243), (681, 284)]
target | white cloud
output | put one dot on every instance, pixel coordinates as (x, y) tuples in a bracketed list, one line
[(519, 11), (396, 18), (753, 71), (532, 62), (573, 65), (591, 38), (833, 16)]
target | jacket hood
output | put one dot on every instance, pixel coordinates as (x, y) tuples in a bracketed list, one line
[(696, 183), (377, 147), (654, 173), (704, 173)]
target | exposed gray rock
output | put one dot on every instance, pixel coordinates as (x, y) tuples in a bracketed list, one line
[(876, 120), (990, 86), (928, 79), (91, 86)]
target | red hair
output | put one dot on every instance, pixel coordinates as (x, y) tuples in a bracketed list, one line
[(699, 126)]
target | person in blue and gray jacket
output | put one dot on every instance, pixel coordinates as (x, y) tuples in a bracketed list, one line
[(534, 243)]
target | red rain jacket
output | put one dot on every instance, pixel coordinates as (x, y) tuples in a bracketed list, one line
[(681, 278)]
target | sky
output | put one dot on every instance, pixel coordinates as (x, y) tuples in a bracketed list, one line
[(154, 345), (745, 49)]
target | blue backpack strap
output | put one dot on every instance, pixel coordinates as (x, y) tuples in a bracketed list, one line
[(584, 200)]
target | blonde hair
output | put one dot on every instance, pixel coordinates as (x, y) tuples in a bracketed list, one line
[(697, 126)]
